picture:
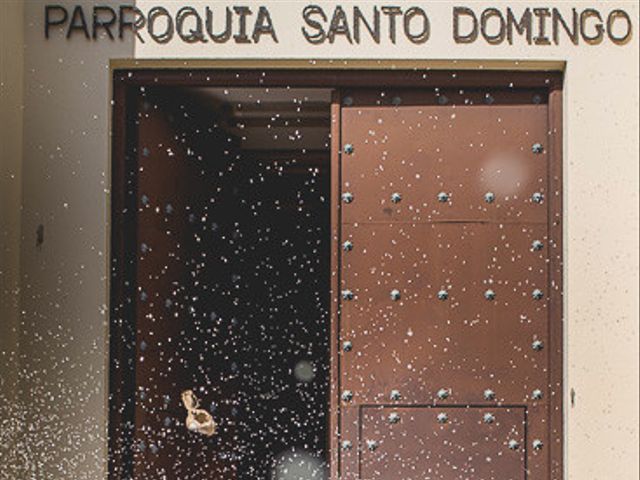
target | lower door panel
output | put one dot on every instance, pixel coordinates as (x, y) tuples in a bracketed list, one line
[(442, 443)]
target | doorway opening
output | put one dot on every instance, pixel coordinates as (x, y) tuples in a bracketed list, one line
[(296, 247), (232, 279)]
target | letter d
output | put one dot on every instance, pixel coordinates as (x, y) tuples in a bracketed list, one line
[(471, 36)]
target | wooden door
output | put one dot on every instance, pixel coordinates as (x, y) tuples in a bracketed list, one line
[(444, 297), (177, 147)]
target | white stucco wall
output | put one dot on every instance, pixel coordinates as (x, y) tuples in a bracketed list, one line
[(65, 188), (64, 281)]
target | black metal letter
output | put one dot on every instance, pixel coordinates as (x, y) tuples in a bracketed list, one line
[(165, 36), (339, 25), (241, 36), (48, 21), (135, 25), (558, 20), (522, 27), (264, 25), (586, 15), (471, 36), (195, 34), (99, 22), (484, 20), (610, 20), (542, 14), (358, 17), (320, 36), (226, 34), (392, 13), (78, 14), (423, 36)]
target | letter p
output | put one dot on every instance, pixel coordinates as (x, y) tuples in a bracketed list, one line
[(49, 20)]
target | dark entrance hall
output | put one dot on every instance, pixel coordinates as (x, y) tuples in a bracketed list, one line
[(232, 280)]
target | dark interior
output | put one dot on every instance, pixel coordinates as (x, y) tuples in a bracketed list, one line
[(251, 293)]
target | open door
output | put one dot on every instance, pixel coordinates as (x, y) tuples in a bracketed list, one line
[(178, 153), (444, 288)]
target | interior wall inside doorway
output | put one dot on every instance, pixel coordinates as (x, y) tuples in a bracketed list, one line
[(232, 280)]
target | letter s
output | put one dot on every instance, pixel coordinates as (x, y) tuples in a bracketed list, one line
[(319, 36)]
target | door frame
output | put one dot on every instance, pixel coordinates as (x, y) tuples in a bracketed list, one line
[(123, 251)]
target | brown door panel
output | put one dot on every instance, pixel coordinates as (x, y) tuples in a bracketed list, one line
[(420, 343), (444, 161), (167, 267), (420, 260), (349, 444), (442, 443), (538, 425)]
